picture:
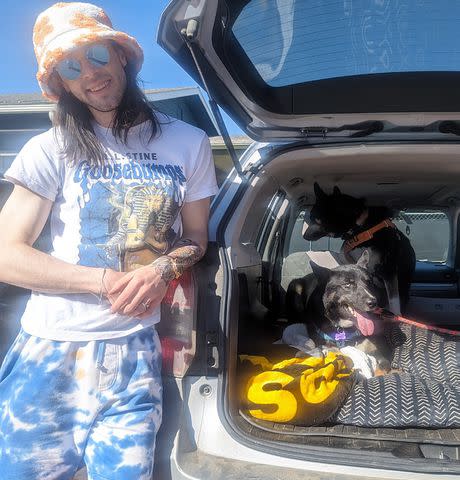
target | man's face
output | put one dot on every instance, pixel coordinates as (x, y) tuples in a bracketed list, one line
[(100, 87)]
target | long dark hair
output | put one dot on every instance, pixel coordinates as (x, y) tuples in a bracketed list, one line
[(73, 119)]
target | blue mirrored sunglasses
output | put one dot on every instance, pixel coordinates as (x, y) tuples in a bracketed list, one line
[(97, 55)]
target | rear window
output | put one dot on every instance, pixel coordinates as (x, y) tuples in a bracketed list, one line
[(296, 41)]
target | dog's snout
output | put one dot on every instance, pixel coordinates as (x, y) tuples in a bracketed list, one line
[(371, 303)]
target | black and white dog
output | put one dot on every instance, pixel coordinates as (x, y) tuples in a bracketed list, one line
[(391, 256), (339, 311)]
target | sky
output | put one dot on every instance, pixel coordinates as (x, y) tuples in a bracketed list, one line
[(139, 18)]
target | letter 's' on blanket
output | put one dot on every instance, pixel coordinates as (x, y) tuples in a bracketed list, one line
[(299, 391)]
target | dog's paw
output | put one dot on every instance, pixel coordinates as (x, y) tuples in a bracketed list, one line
[(383, 368)]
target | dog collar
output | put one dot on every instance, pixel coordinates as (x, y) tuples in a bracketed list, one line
[(366, 235), (340, 337)]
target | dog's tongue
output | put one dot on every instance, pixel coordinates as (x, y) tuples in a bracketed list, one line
[(366, 325)]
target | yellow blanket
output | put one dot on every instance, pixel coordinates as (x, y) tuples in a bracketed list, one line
[(299, 391)]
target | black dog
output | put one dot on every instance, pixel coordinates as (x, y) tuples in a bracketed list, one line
[(339, 311), (391, 256)]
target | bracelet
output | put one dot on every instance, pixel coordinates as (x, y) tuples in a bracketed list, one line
[(102, 286)]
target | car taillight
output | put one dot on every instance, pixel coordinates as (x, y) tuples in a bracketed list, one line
[(177, 327)]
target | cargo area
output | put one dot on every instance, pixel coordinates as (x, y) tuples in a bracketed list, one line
[(268, 252)]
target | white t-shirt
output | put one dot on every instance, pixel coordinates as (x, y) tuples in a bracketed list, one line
[(120, 216)]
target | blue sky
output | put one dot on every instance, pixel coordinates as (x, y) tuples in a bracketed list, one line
[(139, 18)]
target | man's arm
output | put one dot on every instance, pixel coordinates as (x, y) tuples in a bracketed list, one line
[(22, 219), (151, 282)]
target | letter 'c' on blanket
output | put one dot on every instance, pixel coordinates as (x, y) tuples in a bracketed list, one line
[(299, 391)]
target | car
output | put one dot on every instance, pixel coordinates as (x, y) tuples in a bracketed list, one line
[(359, 95)]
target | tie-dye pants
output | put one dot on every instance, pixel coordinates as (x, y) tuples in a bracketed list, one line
[(68, 404)]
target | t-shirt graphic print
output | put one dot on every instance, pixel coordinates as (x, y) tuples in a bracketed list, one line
[(129, 212)]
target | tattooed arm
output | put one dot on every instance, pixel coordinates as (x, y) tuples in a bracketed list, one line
[(185, 253), (150, 283)]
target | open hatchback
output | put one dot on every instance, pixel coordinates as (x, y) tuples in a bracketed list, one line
[(360, 95)]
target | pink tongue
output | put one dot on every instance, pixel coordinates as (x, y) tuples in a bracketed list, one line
[(365, 325)]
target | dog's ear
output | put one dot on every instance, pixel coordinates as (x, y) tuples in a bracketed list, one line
[(359, 207), (318, 191), (336, 190), (363, 260), (321, 273)]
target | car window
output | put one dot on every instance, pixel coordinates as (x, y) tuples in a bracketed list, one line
[(267, 230), (428, 231), (295, 41)]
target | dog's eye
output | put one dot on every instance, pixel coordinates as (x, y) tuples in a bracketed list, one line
[(347, 284)]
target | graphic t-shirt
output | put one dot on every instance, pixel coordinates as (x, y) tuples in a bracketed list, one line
[(121, 216)]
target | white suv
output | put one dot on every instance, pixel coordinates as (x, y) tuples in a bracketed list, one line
[(363, 95)]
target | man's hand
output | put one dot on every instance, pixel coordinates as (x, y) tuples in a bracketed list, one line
[(136, 293), (108, 281)]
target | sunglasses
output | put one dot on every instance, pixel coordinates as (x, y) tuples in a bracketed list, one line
[(97, 55)]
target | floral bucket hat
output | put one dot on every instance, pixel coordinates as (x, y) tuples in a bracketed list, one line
[(66, 26)]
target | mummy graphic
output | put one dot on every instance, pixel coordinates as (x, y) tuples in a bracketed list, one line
[(145, 225)]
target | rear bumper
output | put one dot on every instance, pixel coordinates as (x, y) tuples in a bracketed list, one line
[(199, 466)]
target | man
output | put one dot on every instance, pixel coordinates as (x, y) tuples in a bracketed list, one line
[(127, 192)]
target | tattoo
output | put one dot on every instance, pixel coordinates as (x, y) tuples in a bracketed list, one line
[(185, 253), (163, 266)]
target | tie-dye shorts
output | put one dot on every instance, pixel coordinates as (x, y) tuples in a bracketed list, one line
[(64, 405)]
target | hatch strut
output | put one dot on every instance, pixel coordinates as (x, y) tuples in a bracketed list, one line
[(189, 34)]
